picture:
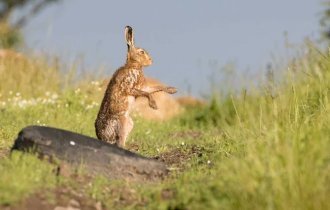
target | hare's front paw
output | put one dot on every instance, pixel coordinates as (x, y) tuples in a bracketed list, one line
[(152, 103), (170, 90)]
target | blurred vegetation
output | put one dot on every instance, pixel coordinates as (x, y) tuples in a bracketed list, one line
[(28, 76), (9, 36), (325, 21), (10, 30)]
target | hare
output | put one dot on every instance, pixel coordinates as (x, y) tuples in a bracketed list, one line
[(113, 123)]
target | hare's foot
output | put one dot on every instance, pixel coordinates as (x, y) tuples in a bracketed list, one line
[(152, 102), (170, 90)]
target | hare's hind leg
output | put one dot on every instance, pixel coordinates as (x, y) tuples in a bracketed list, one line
[(107, 130), (126, 126)]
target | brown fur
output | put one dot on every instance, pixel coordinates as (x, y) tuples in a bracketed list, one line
[(113, 123)]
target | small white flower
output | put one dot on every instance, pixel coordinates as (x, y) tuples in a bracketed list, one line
[(182, 143), (208, 162), (95, 83), (38, 121), (54, 96)]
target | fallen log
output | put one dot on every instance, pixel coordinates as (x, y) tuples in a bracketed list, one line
[(96, 156)]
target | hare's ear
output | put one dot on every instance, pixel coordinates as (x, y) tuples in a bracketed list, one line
[(129, 37)]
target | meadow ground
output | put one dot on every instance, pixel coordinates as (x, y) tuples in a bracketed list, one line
[(259, 149)]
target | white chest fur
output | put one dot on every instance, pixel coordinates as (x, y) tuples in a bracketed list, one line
[(135, 73)]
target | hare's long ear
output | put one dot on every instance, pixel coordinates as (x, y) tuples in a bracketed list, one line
[(129, 37)]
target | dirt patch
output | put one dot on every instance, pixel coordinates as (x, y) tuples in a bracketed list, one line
[(32, 202), (177, 157), (60, 198)]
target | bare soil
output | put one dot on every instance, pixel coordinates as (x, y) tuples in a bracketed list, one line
[(177, 157), (61, 198)]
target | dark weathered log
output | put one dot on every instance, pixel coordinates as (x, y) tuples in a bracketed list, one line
[(96, 156)]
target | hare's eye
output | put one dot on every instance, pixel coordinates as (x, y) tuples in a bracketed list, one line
[(142, 52)]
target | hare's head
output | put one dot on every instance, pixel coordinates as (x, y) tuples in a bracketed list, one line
[(135, 55)]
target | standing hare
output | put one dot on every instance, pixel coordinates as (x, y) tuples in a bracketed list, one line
[(113, 123)]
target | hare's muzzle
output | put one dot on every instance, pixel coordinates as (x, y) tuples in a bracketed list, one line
[(148, 62)]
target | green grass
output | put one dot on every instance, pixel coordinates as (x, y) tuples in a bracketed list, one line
[(21, 175), (258, 150)]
